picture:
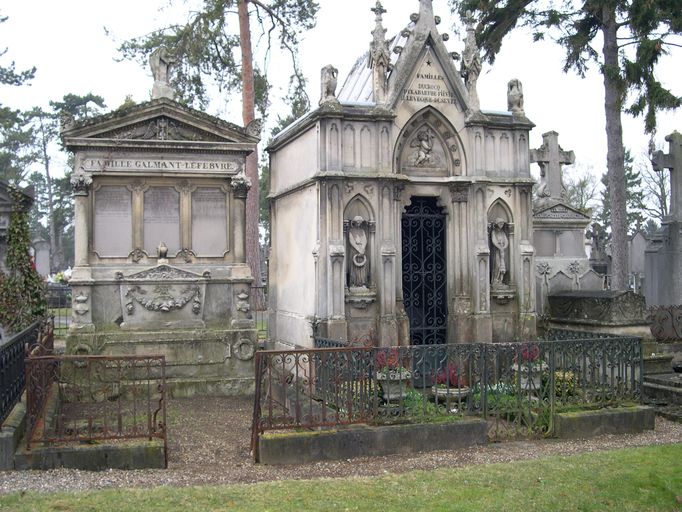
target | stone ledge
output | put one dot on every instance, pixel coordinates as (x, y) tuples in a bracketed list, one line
[(11, 431), (364, 441), (133, 454), (585, 424)]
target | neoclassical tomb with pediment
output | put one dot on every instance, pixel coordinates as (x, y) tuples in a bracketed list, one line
[(160, 198), (399, 208)]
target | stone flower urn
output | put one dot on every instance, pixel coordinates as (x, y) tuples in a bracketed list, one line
[(393, 383), (530, 374)]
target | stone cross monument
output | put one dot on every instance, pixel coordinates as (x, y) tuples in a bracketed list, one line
[(550, 157), (663, 257), (672, 161), (558, 229)]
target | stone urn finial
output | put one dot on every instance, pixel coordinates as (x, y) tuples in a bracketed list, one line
[(162, 250)]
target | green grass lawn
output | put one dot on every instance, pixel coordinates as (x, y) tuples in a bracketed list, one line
[(635, 479)]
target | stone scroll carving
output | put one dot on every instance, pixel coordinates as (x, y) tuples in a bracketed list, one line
[(162, 296)]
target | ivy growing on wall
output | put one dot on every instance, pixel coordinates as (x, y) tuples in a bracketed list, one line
[(22, 293)]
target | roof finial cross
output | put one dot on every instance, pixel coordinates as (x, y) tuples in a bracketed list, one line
[(378, 9)]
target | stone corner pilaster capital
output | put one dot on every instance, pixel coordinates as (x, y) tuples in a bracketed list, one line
[(81, 182), (241, 185)]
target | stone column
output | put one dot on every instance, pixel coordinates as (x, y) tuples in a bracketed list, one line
[(240, 187), (81, 181), (81, 277)]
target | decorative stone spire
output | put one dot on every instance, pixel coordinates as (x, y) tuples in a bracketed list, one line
[(379, 57), (471, 63), (425, 9)]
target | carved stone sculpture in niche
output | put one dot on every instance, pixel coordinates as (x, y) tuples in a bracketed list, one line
[(499, 250), (328, 77), (424, 147), (515, 96), (358, 272)]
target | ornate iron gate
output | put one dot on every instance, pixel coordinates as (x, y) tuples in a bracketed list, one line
[(425, 271)]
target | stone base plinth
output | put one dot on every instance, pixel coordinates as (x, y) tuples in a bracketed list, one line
[(212, 362)]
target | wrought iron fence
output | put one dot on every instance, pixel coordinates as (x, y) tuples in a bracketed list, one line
[(89, 398), (36, 337), (517, 387), (59, 305), (666, 322)]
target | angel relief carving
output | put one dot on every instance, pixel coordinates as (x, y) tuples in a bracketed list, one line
[(424, 151)]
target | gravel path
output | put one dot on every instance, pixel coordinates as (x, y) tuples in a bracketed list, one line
[(209, 445)]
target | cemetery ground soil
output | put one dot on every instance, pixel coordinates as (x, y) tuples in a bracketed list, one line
[(209, 445)]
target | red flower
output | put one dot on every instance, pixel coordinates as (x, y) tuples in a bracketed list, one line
[(530, 353), (450, 376), (389, 358)]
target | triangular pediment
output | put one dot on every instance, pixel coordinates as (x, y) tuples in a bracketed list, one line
[(425, 54), (559, 211), (429, 84), (164, 273), (160, 120)]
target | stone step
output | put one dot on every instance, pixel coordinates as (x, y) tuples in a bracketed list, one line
[(671, 412), (661, 393), (673, 380)]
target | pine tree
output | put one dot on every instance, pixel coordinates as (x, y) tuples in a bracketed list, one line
[(634, 199)]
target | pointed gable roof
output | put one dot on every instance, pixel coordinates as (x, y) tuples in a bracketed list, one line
[(407, 50)]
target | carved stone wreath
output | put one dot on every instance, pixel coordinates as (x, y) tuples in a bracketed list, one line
[(162, 300)]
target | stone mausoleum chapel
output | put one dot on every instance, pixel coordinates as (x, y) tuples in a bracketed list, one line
[(401, 208)]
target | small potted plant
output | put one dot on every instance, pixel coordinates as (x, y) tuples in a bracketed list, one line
[(391, 375), (531, 367), (450, 383)]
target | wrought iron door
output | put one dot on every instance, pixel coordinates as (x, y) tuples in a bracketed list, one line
[(425, 271)]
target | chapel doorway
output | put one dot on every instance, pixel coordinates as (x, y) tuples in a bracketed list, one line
[(424, 271)]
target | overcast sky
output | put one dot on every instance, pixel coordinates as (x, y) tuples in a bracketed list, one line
[(66, 41)]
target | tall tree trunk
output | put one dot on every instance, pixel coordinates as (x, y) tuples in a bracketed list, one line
[(54, 259), (615, 155), (248, 115)]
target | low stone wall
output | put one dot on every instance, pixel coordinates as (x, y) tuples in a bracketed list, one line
[(11, 431), (133, 454), (365, 441), (622, 420)]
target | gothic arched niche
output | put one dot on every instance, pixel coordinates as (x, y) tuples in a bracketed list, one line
[(359, 228), (429, 146), (500, 229)]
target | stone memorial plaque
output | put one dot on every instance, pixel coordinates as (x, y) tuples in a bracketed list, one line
[(161, 219), (209, 222), (113, 230)]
